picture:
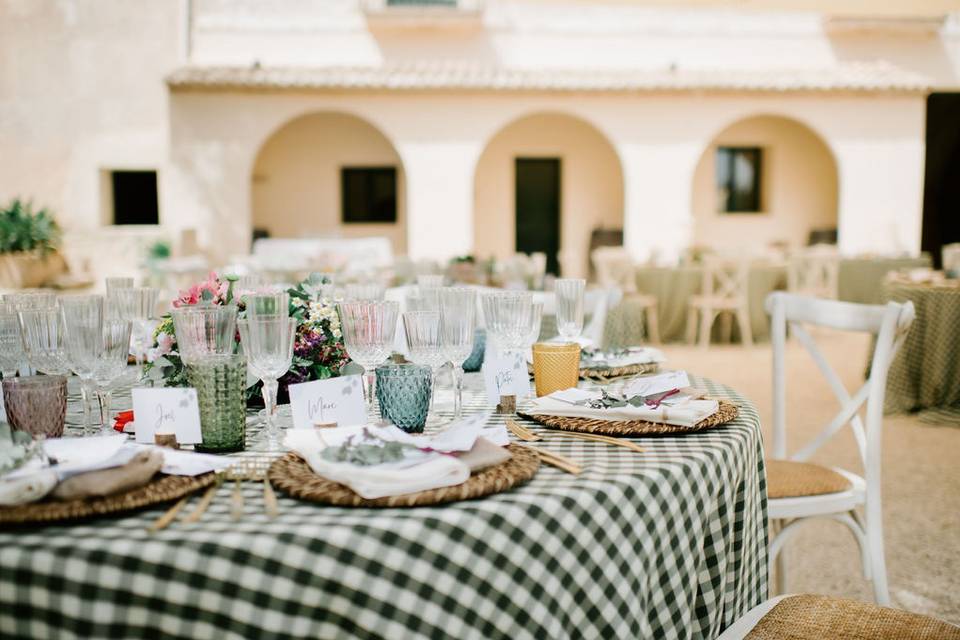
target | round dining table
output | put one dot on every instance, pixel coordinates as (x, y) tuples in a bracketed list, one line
[(925, 375), (671, 542)]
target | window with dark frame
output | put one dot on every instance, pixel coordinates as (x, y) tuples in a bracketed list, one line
[(135, 197), (739, 171), (368, 194)]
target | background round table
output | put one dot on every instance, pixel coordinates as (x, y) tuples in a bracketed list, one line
[(925, 375), (668, 543)]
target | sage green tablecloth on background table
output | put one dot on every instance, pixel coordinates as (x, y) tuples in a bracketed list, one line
[(673, 287), (861, 279), (925, 376)]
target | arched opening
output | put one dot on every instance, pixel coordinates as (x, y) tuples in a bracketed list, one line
[(795, 176), (329, 175), (546, 182)]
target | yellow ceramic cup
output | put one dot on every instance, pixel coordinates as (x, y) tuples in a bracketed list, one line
[(556, 366)]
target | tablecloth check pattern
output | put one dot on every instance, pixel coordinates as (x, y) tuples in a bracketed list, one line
[(925, 376), (670, 543)]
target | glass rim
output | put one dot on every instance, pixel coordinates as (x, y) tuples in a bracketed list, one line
[(556, 347)]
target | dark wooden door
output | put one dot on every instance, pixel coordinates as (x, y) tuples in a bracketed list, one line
[(538, 207), (941, 185)]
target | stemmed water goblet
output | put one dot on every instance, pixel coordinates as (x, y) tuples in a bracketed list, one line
[(11, 344), (82, 318), (569, 297), (43, 340), (269, 351), (507, 318), (111, 364), (368, 327), (458, 313), (422, 330), (136, 305)]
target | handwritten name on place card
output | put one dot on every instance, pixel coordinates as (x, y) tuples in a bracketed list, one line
[(166, 411), (337, 400), (506, 375)]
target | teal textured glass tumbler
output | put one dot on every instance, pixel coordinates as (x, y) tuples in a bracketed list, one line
[(403, 391), (220, 382), (475, 361)]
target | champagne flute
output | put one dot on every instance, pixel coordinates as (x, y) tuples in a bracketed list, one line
[(458, 312), (137, 305), (111, 365), (569, 295), (368, 327), (83, 323), (422, 329), (270, 353)]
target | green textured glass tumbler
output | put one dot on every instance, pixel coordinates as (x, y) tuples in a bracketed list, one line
[(220, 382), (403, 392)]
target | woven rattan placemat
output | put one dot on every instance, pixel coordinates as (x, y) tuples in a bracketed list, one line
[(162, 488), (726, 413), (292, 475)]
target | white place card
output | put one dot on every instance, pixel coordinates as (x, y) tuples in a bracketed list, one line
[(505, 375), (337, 400), (659, 383), (165, 410)]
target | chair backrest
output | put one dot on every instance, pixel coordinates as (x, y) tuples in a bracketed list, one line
[(615, 268), (726, 278), (889, 324), (814, 272)]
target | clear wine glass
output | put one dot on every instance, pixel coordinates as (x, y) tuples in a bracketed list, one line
[(11, 343), (458, 314), (422, 330), (368, 328), (115, 283), (364, 291), (536, 318), (270, 354), (137, 305), (271, 303), (111, 365), (43, 340), (507, 318), (423, 298), (569, 296), (205, 330), (83, 324)]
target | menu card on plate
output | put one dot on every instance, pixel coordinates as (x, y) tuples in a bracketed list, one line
[(337, 400), (166, 410), (505, 375)]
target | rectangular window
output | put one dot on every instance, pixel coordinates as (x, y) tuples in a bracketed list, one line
[(368, 194), (738, 179), (135, 197)]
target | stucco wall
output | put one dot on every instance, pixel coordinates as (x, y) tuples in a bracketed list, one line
[(798, 187), (591, 193), (296, 179)]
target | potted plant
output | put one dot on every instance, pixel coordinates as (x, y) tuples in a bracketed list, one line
[(28, 244)]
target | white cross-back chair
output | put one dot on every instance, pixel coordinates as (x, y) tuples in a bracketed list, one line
[(799, 490), (814, 272), (616, 270), (723, 294)]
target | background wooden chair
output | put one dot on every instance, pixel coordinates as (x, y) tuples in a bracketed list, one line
[(723, 294), (798, 490), (814, 271), (615, 269)]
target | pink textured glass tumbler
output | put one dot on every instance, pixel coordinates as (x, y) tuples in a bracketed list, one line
[(36, 404)]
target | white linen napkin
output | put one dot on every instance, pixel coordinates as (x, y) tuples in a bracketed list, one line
[(635, 355), (422, 472), (26, 489), (684, 411)]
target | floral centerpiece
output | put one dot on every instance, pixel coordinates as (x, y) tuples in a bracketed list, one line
[(318, 350)]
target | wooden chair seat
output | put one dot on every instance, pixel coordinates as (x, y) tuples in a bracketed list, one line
[(788, 479), (814, 617)]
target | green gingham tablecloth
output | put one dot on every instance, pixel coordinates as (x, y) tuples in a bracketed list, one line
[(925, 375), (669, 543)]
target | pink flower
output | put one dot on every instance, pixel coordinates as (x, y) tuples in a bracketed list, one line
[(194, 295)]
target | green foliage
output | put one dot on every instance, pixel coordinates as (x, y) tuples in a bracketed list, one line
[(24, 230), (159, 250), (369, 451), (16, 448)]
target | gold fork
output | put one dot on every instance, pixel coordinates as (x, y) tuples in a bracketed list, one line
[(528, 436)]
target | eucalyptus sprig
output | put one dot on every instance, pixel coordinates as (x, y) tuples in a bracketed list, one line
[(370, 450)]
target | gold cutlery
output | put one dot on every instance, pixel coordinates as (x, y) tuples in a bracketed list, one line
[(169, 516), (205, 501), (556, 460), (521, 431), (596, 437)]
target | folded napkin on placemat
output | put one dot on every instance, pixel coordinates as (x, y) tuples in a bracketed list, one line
[(680, 409), (27, 489), (621, 357), (383, 461), (132, 475)]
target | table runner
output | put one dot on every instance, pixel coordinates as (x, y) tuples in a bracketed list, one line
[(669, 543), (925, 375)]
